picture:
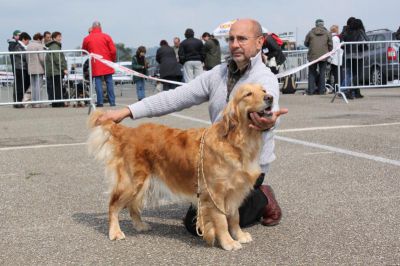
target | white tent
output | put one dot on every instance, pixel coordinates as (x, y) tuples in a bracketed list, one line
[(222, 30)]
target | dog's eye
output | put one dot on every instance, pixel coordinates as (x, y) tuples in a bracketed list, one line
[(249, 94)]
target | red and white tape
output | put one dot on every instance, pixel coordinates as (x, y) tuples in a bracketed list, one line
[(135, 73), (130, 71)]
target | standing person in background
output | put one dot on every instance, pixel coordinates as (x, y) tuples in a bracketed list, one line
[(355, 55), (11, 48), (319, 42), (22, 81), (36, 66), (100, 43), (191, 56), (212, 51), (140, 65), (398, 34), (336, 58), (46, 37), (56, 69), (170, 69), (177, 43)]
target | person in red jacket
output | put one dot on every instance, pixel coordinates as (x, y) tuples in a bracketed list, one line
[(100, 43)]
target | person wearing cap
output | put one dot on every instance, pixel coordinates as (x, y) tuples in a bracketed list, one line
[(319, 42), (11, 46), (191, 56), (212, 51)]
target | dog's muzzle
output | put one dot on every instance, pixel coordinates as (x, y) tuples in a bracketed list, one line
[(268, 99)]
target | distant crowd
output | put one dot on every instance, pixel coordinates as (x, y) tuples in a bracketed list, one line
[(181, 62)]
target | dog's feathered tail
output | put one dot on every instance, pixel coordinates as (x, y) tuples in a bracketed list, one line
[(98, 141)]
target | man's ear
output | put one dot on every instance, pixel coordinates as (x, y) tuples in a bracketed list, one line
[(230, 119)]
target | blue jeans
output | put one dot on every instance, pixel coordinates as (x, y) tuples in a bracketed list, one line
[(140, 89), (110, 89)]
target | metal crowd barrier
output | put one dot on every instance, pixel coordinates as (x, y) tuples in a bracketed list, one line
[(294, 59), (41, 78), (368, 65)]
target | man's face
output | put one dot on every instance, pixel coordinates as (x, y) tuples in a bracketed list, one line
[(177, 42), (244, 42), (47, 38), (25, 41), (58, 38), (16, 37)]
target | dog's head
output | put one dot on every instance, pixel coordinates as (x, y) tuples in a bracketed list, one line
[(248, 99)]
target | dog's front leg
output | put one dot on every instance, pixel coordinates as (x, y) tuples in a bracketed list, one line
[(222, 233), (236, 231)]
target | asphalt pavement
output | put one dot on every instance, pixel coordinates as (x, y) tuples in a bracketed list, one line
[(336, 177)]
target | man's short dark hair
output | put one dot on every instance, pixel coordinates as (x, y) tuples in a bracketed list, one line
[(46, 32), (24, 36), (205, 34), (55, 34), (189, 33), (163, 43)]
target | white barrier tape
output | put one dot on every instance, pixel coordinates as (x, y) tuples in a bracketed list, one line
[(134, 73), (130, 71), (296, 69)]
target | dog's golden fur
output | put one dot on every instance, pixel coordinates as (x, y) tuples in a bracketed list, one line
[(134, 156)]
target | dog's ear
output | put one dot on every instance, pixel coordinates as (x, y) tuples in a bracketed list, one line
[(230, 118)]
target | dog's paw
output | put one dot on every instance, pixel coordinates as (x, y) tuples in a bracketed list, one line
[(244, 237), (231, 245), (142, 227), (117, 235)]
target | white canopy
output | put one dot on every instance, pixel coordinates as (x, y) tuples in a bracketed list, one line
[(223, 29)]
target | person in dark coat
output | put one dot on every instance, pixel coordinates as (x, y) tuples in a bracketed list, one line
[(398, 34), (212, 51), (22, 80), (191, 56), (355, 55), (169, 68)]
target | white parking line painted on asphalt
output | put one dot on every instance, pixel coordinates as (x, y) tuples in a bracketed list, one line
[(41, 146), (318, 153), (338, 150), (295, 141), (334, 127), (320, 146)]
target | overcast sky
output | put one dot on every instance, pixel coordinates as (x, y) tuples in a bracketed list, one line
[(147, 22)]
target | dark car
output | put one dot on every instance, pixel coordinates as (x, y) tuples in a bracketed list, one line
[(381, 60)]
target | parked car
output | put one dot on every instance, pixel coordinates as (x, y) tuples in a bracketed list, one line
[(381, 61), (120, 77)]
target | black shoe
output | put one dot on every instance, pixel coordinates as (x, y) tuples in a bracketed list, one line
[(190, 220), (99, 105), (18, 106), (349, 96)]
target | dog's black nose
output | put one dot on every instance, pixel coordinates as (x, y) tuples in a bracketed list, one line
[(268, 98)]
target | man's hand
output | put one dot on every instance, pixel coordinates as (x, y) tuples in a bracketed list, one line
[(115, 115), (264, 123)]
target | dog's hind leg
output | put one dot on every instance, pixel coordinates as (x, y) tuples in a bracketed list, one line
[(121, 195), (136, 204), (236, 231), (119, 199)]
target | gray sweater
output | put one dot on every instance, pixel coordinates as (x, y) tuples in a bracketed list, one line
[(211, 86)]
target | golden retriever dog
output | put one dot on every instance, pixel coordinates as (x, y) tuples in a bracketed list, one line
[(221, 172)]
